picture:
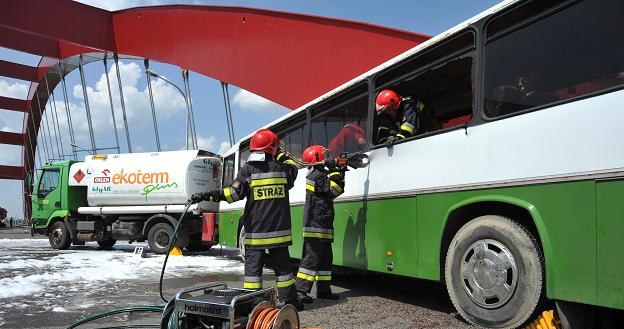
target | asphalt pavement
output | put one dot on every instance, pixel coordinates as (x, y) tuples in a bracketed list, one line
[(45, 288)]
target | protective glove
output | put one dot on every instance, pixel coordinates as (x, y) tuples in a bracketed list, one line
[(330, 163), (390, 141), (282, 157), (213, 196), (198, 197), (336, 175)]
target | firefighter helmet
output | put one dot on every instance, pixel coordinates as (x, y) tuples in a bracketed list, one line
[(387, 98), (314, 153), (266, 141)]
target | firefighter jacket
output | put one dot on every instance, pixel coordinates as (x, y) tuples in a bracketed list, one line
[(413, 118), (265, 183), (322, 187)]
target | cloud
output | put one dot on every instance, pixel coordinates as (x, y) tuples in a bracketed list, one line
[(11, 121), (14, 90), (208, 144), (113, 5), (249, 101), (205, 143), (167, 101), (224, 147), (10, 155)]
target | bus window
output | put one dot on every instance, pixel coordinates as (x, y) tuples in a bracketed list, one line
[(440, 78), (343, 128), (291, 134), (555, 58), (446, 92)]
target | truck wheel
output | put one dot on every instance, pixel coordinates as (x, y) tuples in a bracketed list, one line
[(58, 236), (241, 242), (107, 244), (494, 272), (159, 236)]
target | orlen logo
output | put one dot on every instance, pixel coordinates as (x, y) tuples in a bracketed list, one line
[(103, 179)]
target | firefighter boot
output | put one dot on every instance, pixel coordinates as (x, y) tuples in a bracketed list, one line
[(304, 297), (327, 295), (295, 302)]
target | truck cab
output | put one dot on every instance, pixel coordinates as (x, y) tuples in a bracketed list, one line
[(53, 200)]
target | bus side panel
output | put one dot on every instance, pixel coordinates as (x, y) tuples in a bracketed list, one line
[(610, 212), (296, 219), (228, 227), (391, 236), (348, 248), (569, 223)]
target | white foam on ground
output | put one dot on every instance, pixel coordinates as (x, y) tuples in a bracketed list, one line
[(87, 269)]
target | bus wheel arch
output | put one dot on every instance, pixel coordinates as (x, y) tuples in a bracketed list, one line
[(519, 211)]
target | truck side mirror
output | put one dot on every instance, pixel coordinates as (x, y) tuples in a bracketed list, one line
[(29, 185)]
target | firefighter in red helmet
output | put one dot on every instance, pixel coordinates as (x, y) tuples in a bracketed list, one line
[(322, 186), (399, 117), (264, 181)]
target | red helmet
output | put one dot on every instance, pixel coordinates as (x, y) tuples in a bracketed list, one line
[(314, 153), (266, 141), (387, 98)]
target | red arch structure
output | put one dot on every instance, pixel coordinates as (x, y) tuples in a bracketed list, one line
[(285, 57)]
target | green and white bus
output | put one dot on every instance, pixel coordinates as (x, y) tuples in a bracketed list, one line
[(517, 197)]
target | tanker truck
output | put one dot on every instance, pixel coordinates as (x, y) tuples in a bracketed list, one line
[(135, 197)]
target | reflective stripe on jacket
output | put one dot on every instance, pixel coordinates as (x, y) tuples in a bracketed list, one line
[(265, 185)]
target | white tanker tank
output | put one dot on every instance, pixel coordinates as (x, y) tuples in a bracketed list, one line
[(148, 180)]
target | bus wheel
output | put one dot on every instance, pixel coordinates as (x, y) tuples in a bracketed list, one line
[(494, 272), (241, 242), (59, 236)]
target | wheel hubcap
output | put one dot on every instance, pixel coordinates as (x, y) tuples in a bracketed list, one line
[(162, 239), (489, 273), (57, 236)]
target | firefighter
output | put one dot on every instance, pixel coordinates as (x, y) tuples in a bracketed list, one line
[(264, 181), (399, 117), (322, 186)]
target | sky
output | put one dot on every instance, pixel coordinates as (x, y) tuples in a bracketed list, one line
[(249, 111)]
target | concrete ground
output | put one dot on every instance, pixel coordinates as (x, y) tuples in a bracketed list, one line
[(45, 288)]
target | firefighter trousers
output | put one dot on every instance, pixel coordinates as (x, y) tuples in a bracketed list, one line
[(285, 280), (316, 263)]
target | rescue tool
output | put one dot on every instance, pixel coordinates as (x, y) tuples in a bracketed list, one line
[(345, 160)]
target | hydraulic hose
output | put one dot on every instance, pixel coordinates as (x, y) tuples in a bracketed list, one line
[(136, 309), (164, 310), (169, 247)]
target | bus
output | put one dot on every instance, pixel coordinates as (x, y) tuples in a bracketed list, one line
[(514, 198)]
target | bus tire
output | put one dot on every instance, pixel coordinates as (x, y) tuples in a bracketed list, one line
[(241, 242), (58, 235), (494, 273)]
